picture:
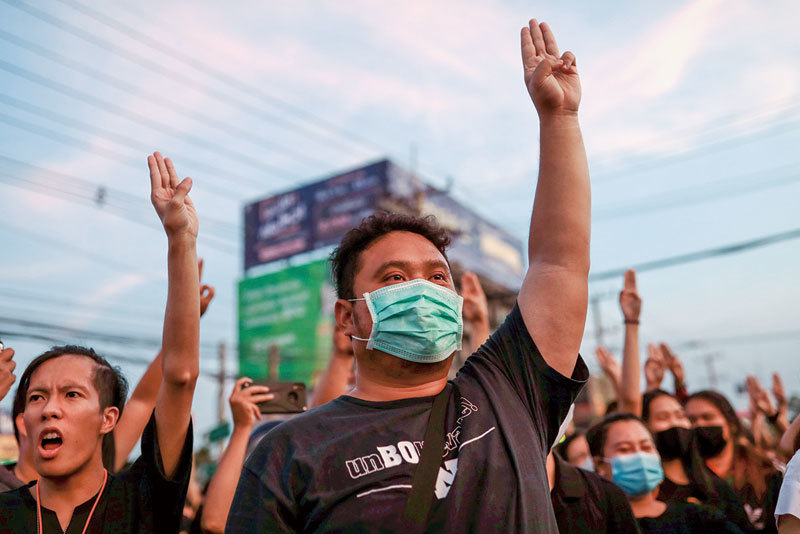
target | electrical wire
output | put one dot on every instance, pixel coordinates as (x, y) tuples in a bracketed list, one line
[(697, 256), (244, 135), (156, 67)]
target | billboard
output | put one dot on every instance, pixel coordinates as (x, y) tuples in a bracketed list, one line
[(311, 217), (286, 315)]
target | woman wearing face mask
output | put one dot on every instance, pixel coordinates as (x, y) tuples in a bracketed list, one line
[(729, 454), (624, 451), (686, 477), (575, 450)]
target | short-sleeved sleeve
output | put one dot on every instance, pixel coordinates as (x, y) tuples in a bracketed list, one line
[(546, 393), (789, 496), (161, 498)]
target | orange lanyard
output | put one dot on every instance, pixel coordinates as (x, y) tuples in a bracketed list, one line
[(88, 519)]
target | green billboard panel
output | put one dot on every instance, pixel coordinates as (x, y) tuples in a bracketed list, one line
[(286, 323)]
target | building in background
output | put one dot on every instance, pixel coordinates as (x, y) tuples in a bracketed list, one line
[(286, 297)]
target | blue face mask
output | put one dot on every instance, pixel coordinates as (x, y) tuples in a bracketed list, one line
[(587, 464), (638, 473), (418, 321)]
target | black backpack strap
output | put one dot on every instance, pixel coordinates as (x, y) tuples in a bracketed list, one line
[(420, 498)]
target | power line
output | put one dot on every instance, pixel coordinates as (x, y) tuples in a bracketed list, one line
[(111, 357), (127, 201), (108, 337), (142, 120), (97, 258), (223, 77), (711, 191), (158, 68), (194, 113), (697, 256)]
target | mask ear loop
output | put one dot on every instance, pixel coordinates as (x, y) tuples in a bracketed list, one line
[(355, 337)]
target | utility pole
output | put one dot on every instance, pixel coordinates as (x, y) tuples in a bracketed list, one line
[(274, 362), (710, 370), (221, 393), (598, 318)]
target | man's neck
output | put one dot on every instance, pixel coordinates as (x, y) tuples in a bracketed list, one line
[(648, 505), (25, 471), (371, 390), (383, 377), (63, 494), (721, 463), (673, 470)]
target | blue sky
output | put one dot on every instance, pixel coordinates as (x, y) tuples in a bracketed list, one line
[(689, 113)]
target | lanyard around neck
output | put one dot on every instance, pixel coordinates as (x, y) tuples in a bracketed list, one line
[(88, 519)]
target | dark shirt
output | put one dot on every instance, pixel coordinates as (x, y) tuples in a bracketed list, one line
[(8, 480), (139, 500), (585, 502), (687, 518), (761, 511), (725, 501), (347, 465)]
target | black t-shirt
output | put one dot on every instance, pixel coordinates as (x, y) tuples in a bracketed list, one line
[(141, 500), (347, 465), (8, 480), (587, 503), (761, 511), (688, 518), (726, 499)]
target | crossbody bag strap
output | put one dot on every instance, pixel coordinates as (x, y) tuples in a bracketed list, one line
[(420, 498)]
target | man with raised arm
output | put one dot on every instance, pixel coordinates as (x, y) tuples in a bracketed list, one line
[(348, 466), (73, 397)]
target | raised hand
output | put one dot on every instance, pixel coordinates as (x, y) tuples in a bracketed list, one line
[(779, 392), (609, 364), (244, 402), (629, 300), (673, 363), (206, 291), (475, 308), (552, 80), (759, 398), (654, 367), (7, 366), (170, 197)]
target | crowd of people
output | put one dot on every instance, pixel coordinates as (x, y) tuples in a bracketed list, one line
[(399, 438)]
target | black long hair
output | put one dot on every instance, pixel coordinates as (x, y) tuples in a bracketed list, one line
[(695, 467)]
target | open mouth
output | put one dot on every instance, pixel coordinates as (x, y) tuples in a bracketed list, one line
[(49, 443)]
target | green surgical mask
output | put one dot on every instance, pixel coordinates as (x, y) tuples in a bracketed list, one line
[(418, 321)]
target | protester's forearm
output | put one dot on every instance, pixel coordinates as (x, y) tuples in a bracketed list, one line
[(333, 382), (789, 438), (223, 484), (560, 224), (180, 352), (137, 412), (631, 398), (181, 342), (479, 334)]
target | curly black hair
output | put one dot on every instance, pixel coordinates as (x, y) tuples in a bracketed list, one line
[(345, 258)]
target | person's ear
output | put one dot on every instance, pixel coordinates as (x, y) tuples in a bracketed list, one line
[(20, 422), (110, 418), (343, 310)]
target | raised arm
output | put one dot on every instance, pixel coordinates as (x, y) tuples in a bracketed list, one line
[(475, 310), (554, 293), (631, 304), (244, 408), (333, 382), (180, 343), (7, 366), (143, 399)]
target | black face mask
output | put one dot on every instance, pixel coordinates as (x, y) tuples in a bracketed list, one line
[(709, 440), (673, 442)]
